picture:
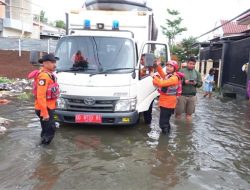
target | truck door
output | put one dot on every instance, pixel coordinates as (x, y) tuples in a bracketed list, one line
[(150, 52)]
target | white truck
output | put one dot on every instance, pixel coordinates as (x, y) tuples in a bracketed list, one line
[(107, 86)]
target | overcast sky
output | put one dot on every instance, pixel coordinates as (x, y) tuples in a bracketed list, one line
[(199, 16)]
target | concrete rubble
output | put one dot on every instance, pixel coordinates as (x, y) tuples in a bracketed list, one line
[(4, 123), (8, 89), (15, 87)]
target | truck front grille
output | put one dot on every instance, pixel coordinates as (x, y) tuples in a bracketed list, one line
[(81, 105)]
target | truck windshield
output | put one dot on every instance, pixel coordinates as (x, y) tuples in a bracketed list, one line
[(90, 54)]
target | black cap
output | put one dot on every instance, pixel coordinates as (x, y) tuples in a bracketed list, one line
[(48, 57)]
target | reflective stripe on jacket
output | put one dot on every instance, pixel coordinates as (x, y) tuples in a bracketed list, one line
[(169, 90)]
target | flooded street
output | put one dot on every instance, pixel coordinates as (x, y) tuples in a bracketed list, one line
[(211, 153)]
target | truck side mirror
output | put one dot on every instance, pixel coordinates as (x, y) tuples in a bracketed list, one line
[(149, 59)]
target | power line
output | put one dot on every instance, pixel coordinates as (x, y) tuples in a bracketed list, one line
[(224, 24)]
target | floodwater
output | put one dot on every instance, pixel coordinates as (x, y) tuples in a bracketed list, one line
[(213, 152)]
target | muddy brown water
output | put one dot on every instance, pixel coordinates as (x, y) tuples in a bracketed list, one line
[(213, 152)]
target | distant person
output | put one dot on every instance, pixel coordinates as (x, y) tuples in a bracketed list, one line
[(248, 90), (79, 60), (245, 68), (168, 87), (46, 91), (209, 83), (192, 80)]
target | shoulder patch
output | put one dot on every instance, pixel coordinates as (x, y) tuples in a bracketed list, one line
[(42, 82)]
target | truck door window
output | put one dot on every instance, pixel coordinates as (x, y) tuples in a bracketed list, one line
[(150, 53)]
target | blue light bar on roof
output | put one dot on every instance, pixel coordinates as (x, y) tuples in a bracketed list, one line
[(115, 25), (86, 24)]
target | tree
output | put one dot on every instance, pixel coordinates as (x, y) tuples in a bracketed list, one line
[(184, 49), (178, 52), (60, 24), (173, 27), (43, 19), (187, 45)]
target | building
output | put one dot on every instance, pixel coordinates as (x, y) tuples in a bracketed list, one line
[(16, 18), (228, 28), (228, 52), (51, 32)]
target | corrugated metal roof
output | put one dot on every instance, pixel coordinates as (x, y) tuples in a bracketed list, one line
[(232, 27)]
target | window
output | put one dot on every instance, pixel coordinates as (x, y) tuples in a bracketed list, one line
[(150, 53)]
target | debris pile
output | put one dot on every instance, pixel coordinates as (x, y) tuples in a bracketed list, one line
[(3, 124), (13, 88)]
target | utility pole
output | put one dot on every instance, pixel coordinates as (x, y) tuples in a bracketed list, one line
[(21, 18)]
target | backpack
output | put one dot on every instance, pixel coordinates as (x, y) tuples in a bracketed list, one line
[(52, 90), (179, 88)]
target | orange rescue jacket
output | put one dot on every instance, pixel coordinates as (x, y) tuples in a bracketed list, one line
[(167, 101), (41, 103)]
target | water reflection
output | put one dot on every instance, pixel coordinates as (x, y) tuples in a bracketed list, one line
[(46, 172), (86, 142), (173, 153), (165, 163)]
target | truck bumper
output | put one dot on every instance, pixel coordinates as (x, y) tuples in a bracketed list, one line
[(126, 118)]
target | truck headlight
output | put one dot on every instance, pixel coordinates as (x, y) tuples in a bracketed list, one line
[(61, 103), (125, 105)]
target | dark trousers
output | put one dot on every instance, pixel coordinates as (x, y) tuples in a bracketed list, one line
[(48, 127), (165, 114), (148, 114)]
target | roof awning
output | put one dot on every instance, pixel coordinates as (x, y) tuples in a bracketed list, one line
[(244, 20), (3, 3)]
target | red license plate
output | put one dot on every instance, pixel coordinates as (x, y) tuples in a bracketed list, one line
[(88, 118)]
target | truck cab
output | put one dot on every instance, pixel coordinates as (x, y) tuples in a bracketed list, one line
[(104, 85)]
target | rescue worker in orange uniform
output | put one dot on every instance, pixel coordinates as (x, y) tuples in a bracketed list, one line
[(46, 93), (167, 84)]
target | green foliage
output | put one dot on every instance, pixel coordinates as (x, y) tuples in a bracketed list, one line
[(43, 19), (60, 24), (5, 80), (173, 26), (184, 49), (179, 52), (187, 45), (25, 96)]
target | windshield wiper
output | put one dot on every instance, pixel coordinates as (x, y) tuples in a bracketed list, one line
[(109, 71), (72, 69)]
